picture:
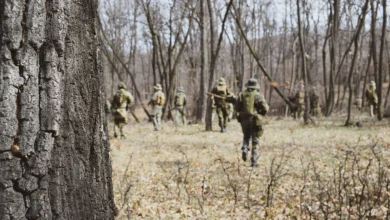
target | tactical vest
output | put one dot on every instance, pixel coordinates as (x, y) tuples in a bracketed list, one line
[(221, 90), (118, 99), (248, 102), (179, 99)]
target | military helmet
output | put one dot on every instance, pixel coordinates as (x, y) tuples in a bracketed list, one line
[(158, 87), (221, 81), (373, 85), (180, 89), (121, 85), (252, 84)]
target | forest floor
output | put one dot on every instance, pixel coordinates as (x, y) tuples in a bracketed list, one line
[(314, 171)]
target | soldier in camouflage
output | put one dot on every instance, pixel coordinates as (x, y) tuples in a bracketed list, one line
[(120, 105), (221, 102), (251, 107), (315, 109), (180, 106), (372, 98), (157, 101)]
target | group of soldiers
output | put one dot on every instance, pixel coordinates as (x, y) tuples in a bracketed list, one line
[(299, 101), (315, 109), (250, 107)]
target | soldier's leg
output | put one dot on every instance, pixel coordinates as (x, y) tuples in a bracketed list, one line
[(155, 125), (183, 115), (245, 126), (121, 130), (257, 132), (177, 115), (115, 127), (225, 117), (116, 122), (159, 114), (220, 117), (371, 110)]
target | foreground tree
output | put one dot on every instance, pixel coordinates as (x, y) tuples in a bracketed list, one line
[(54, 152)]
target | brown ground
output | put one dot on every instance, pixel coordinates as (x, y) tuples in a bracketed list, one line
[(186, 173)]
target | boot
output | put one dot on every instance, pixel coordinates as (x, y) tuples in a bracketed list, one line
[(254, 156)]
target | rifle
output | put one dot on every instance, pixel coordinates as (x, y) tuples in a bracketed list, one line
[(215, 95), (230, 99)]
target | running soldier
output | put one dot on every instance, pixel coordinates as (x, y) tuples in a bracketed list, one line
[(251, 107)]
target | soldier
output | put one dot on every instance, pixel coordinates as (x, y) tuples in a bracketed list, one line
[(221, 102), (157, 102), (315, 109), (120, 105), (372, 98), (251, 107), (180, 105)]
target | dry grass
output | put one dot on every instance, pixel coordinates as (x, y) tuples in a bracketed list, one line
[(305, 171)]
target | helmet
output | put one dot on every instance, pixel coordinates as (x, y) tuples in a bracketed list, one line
[(221, 81), (252, 84), (180, 89), (158, 87), (121, 85)]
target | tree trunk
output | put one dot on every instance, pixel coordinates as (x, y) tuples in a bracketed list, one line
[(200, 116), (381, 64), (355, 53), (54, 151), (304, 69)]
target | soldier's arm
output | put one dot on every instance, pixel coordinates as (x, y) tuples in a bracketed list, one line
[(238, 104), (261, 105), (185, 100)]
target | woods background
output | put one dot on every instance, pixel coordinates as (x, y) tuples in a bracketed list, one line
[(335, 46)]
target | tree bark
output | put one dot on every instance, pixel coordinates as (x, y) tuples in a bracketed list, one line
[(54, 147), (381, 64), (304, 69)]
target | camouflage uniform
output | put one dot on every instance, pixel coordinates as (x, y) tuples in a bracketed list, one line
[(221, 103), (299, 101), (180, 105), (372, 98), (315, 109), (251, 107), (120, 105), (157, 102)]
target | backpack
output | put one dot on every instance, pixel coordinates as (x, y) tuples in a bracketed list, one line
[(160, 98), (179, 99)]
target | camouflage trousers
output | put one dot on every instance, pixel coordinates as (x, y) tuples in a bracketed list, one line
[(373, 108), (316, 111), (156, 114), (223, 116), (251, 132), (298, 112), (120, 120), (180, 112)]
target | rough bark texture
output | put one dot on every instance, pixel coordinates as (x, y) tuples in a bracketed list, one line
[(51, 107)]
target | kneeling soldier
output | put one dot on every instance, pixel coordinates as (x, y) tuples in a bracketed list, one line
[(251, 107)]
